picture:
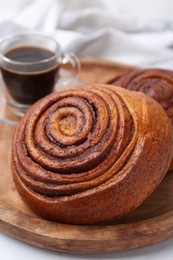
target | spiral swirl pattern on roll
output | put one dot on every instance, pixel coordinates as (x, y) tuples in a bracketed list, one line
[(77, 153), (155, 83)]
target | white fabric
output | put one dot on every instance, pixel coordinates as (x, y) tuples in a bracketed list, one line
[(134, 32)]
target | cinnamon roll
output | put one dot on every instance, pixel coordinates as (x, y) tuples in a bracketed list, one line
[(155, 83), (90, 154)]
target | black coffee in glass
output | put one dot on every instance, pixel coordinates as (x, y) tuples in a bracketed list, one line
[(34, 82), (30, 65)]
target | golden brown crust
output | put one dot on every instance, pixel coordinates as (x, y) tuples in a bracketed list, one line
[(90, 154)]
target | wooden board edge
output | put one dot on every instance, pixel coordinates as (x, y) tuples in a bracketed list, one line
[(17, 229), (103, 62)]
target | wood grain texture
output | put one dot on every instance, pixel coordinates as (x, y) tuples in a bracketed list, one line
[(151, 223)]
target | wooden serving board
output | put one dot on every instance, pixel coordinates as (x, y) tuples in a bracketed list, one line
[(151, 223)]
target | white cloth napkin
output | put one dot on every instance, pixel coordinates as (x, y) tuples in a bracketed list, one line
[(112, 30)]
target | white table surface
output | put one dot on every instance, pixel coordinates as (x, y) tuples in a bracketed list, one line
[(12, 249)]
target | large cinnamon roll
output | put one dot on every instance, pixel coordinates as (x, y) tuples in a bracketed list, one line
[(90, 154), (155, 83)]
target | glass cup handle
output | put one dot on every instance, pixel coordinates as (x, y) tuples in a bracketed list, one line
[(70, 59)]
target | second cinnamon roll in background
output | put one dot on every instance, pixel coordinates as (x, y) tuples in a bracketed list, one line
[(156, 83)]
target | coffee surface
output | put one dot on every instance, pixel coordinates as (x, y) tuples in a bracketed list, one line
[(29, 54)]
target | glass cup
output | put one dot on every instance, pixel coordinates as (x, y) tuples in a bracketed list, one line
[(30, 67)]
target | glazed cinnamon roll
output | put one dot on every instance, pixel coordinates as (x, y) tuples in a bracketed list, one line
[(155, 83), (90, 154)]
